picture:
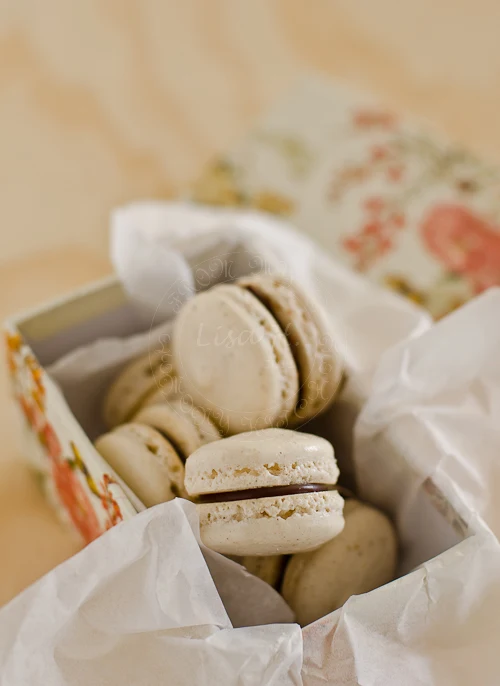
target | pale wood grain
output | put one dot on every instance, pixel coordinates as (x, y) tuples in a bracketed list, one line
[(105, 101)]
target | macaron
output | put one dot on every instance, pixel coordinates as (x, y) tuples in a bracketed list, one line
[(310, 337), (186, 427), (149, 374), (164, 394), (269, 569), (360, 559), (256, 353), (268, 492), (145, 460)]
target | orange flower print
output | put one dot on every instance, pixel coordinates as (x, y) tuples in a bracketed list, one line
[(376, 236), (38, 391), (74, 484), (31, 411), (373, 119), (465, 243), (48, 438), (109, 503), (75, 500), (70, 490), (13, 341), (103, 492)]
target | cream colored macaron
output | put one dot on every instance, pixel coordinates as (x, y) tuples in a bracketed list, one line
[(359, 560), (269, 569), (310, 337), (149, 374), (256, 353), (145, 460), (268, 492), (186, 427)]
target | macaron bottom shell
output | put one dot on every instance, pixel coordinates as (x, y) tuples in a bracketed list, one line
[(272, 525)]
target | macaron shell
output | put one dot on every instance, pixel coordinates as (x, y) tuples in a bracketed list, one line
[(234, 360), (269, 569), (360, 559), (260, 459), (272, 525), (145, 461), (187, 427), (310, 338), (168, 390), (134, 383)]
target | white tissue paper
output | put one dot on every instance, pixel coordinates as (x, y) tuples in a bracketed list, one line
[(434, 411), (144, 605), (164, 252), (139, 606)]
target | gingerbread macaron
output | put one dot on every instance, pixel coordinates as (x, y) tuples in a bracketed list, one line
[(146, 461), (256, 353), (268, 492), (148, 378), (361, 558)]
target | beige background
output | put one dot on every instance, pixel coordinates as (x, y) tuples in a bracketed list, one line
[(103, 101)]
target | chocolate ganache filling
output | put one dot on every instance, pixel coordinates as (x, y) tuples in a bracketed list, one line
[(264, 492)]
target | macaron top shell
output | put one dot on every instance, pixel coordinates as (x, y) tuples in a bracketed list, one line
[(134, 383), (184, 425), (310, 338), (360, 559), (261, 459), (234, 360)]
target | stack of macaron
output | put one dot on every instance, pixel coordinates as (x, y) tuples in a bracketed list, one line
[(214, 420), (154, 429), (146, 380)]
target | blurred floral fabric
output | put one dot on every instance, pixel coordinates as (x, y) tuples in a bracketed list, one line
[(407, 209)]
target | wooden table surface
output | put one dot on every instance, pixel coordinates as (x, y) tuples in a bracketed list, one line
[(104, 101)]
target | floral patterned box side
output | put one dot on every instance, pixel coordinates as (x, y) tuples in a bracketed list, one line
[(74, 476), (409, 210)]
